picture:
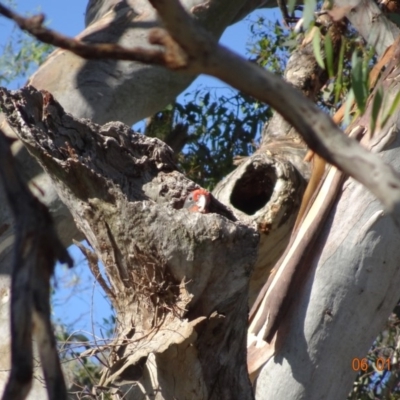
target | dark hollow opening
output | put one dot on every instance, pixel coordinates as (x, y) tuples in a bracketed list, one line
[(254, 189)]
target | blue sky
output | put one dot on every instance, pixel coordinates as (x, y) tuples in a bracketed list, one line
[(78, 301)]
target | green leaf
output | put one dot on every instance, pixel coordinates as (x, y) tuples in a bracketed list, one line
[(391, 110), (317, 48), (358, 82), (339, 80), (79, 338), (376, 107), (308, 13), (329, 55)]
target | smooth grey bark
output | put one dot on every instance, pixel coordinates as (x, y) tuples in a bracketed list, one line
[(371, 23), (350, 291)]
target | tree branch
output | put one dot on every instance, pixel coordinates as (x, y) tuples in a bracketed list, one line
[(204, 55), (317, 129), (36, 250), (34, 25)]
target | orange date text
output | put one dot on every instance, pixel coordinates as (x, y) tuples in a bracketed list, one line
[(361, 364)]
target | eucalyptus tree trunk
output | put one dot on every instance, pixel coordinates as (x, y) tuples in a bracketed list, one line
[(353, 274), (103, 91), (177, 280)]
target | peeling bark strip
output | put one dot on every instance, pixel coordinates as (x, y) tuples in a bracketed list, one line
[(265, 317), (36, 250), (179, 280)]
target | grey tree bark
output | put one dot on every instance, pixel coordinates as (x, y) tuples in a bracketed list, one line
[(178, 281), (103, 91), (354, 268)]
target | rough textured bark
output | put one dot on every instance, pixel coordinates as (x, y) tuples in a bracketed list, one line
[(264, 190), (178, 281), (107, 91)]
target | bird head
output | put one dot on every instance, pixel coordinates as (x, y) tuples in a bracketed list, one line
[(198, 201)]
